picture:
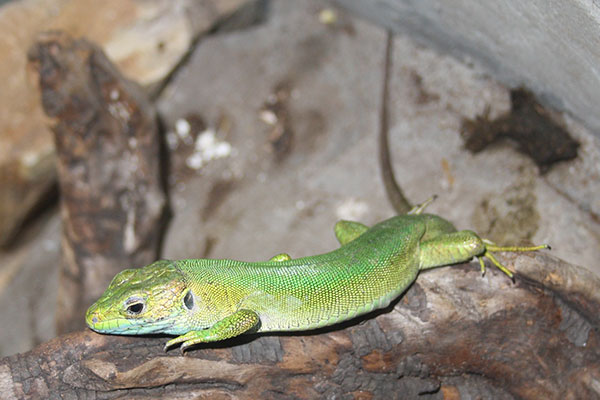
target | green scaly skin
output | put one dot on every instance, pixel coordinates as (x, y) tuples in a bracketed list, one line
[(208, 300)]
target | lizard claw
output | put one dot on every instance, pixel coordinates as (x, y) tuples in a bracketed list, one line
[(185, 346), (167, 346), (178, 339)]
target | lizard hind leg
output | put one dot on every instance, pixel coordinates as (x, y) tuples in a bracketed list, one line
[(461, 246), (490, 247), (347, 231)]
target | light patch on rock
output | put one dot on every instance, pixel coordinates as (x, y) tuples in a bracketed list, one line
[(352, 209), (268, 117), (50, 245), (129, 236), (119, 111), (328, 16), (183, 129), (114, 95), (30, 159), (207, 148)]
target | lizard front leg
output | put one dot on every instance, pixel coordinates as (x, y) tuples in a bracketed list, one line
[(237, 323)]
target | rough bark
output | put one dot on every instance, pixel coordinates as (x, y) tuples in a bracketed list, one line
[(453, 335), (107, 142)]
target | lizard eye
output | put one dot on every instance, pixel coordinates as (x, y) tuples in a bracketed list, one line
[(188, 300), (135, 306)]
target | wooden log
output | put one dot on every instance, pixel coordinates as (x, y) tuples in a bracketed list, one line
[(453, 334), (107, 143)]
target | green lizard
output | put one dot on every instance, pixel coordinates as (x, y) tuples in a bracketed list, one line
[(210, 300), (207, 300)]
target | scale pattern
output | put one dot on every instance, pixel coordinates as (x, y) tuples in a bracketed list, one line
[(315, 291)]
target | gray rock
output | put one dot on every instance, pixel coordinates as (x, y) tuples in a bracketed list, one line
[(548, 46)]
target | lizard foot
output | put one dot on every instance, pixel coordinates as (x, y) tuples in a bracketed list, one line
[(490, 247)]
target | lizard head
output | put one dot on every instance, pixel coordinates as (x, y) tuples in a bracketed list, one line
[(141, 301)]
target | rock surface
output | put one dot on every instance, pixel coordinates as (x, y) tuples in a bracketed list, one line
[(551, 47), (28, 286)]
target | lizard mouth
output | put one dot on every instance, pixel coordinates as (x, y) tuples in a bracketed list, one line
[(124, 326)]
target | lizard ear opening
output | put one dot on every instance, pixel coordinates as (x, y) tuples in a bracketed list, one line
[(188, 300)]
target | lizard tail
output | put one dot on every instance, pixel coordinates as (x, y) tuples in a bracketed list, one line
[(392, 189)]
